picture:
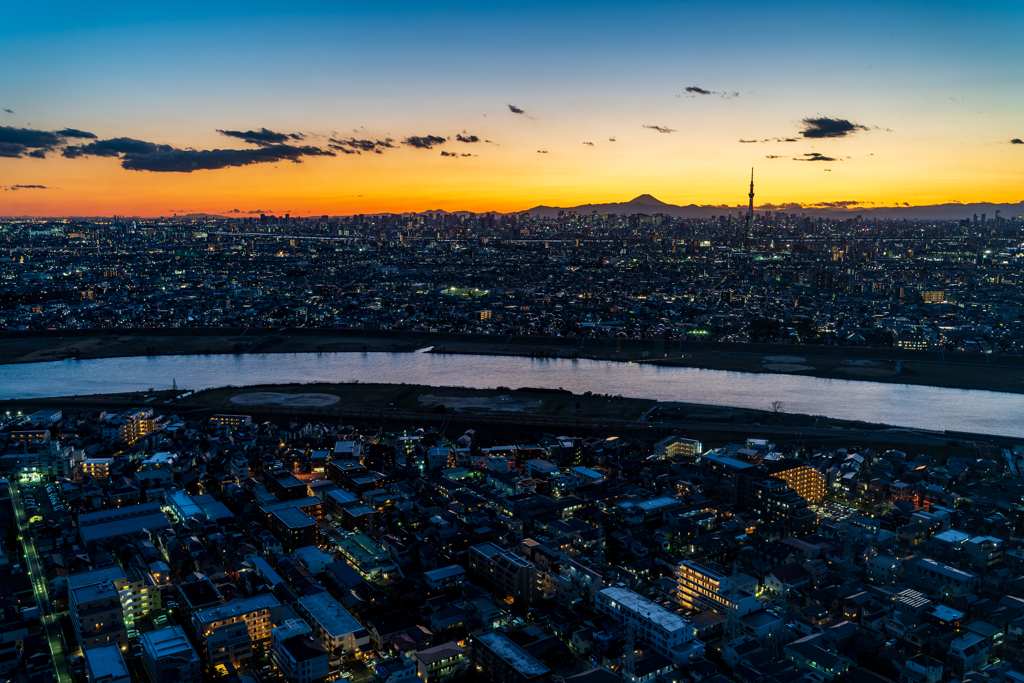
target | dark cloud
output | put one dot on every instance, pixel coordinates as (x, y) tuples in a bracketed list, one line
[(354, 146), (695, 91), (466, 138), (262, 137), (114, 147), (611, 139), (772, 140), (841, 204), (589, 143), (139, 155), (825, 127), (16, 142), (772, 156), (814, 156), (8, 111), (516, 110), (542, 151), (661, 129), (75, 133), (448, 154), (30, 187), (1017, 141), (424, 141)]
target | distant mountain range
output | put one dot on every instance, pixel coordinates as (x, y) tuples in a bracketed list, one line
[(648, 204), (645, 203)]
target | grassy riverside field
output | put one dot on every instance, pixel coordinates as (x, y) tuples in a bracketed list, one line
[(928, 368), (500, 415)]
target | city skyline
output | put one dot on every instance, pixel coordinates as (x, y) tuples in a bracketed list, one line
[(133, 111)]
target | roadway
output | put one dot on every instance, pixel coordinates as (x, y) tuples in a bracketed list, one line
[(51, 621)]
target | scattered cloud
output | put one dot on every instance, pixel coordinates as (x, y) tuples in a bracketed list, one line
[(140, 155), (8, 111), (516, 110), (354, 146), (542, 151), (1017, 141), (589, 143), (75, 133), (262, 137), (841, 204), (696, 91), (29, 187), (772, 156), (661, 129), (448, 154), (463, 137), (815, 156), (423, 141), (825, 127), (611, 139), (773, 140)]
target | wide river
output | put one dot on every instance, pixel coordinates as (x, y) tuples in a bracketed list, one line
[(984, 412)]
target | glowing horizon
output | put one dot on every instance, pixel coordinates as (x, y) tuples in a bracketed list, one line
[(895, 101)]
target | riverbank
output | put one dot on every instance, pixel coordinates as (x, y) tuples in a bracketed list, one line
[(519, 414), (894, 366)]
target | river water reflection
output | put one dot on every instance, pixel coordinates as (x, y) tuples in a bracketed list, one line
[(904, 405)]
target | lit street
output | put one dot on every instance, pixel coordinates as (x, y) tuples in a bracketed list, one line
[(51, 621)]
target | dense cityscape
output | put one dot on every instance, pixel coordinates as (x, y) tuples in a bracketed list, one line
[(511, 342), (147, 545), (771, 277)]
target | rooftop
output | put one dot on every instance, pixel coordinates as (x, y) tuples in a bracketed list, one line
[(234, 609), (512, 654), (330, 615), (638, 604)]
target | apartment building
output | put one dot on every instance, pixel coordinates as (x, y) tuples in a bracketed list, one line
[(507, 572), (168, 657), (297, 653), (669, 634), (338, 630), (230, 633), (499, 660), (708, 588), (94, 604)]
